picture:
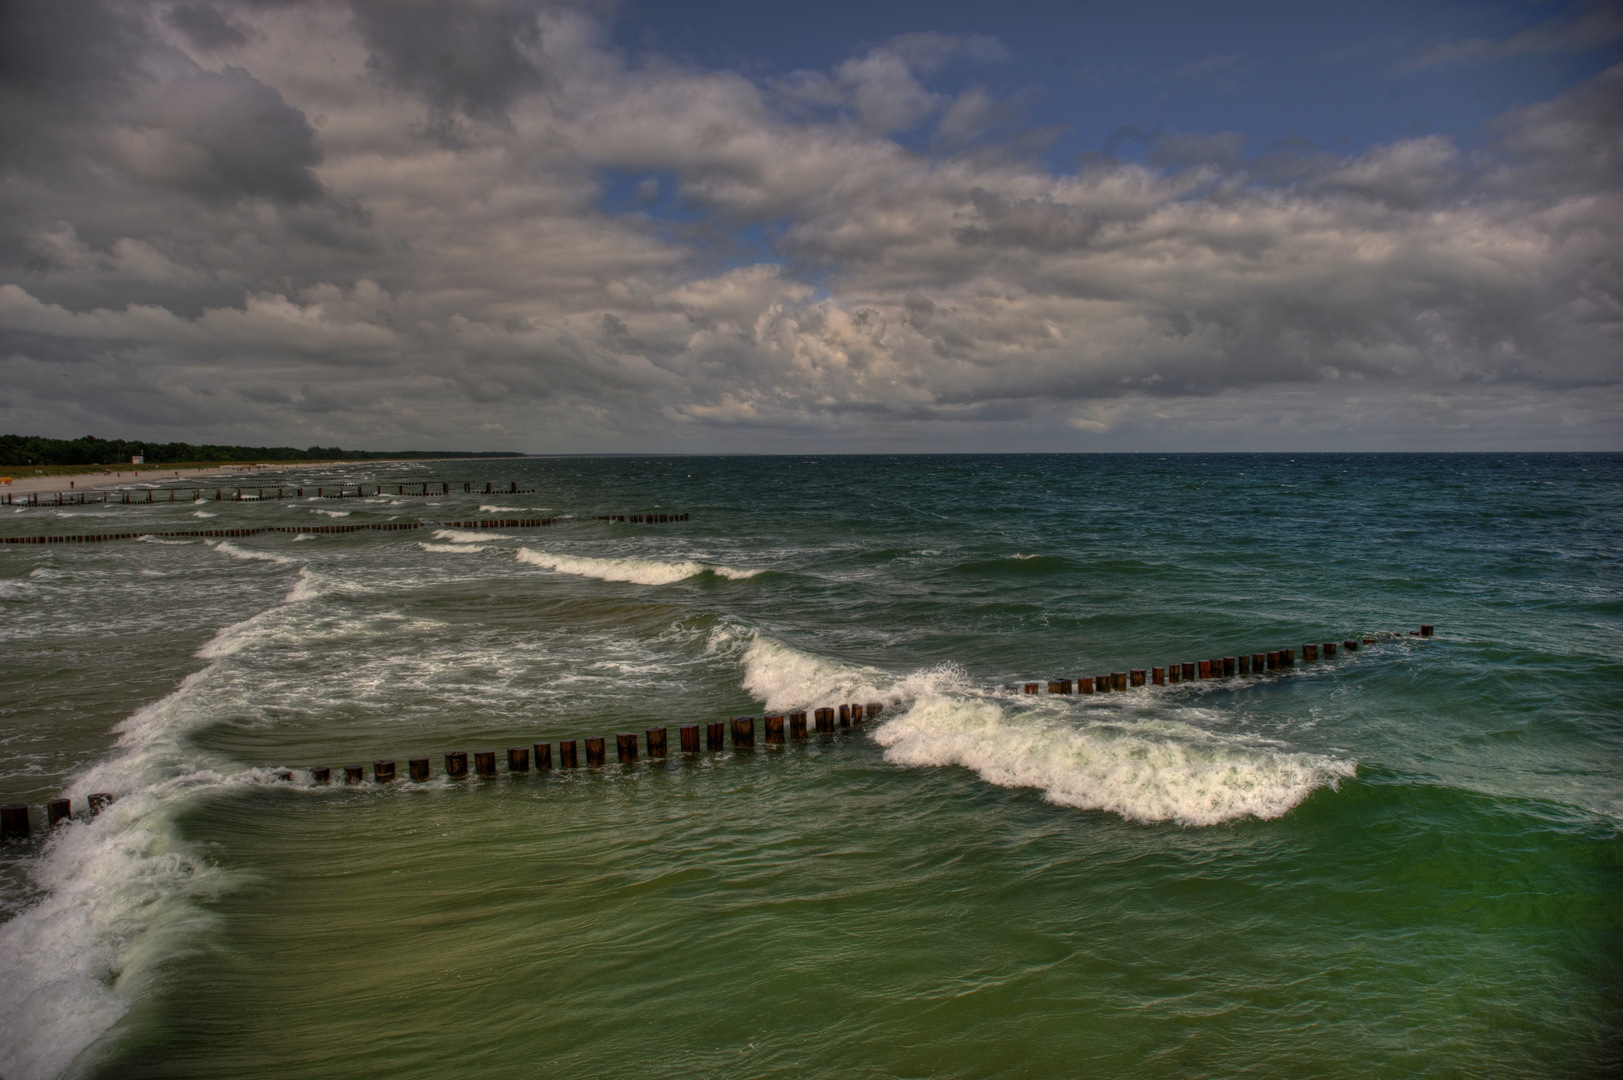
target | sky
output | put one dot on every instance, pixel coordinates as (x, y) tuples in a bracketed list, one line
[(722, 227)]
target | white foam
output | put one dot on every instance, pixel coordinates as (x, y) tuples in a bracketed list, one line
[(203, 514), (636, 571), (148, 538), (466, 536), (459, 548), (1018, 556), (1144, 768), (228, 548), (499, 509), (118, 890), (332, 513)]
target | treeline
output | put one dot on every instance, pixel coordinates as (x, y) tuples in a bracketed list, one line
[(89, 450)]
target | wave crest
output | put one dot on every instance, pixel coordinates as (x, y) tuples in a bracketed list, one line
[(636, 571)]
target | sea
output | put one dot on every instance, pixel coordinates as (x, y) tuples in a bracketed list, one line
[(1399, 861)]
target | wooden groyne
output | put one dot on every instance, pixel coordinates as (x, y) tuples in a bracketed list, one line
[(387, 526), (777, 729), (417, 490), (1218, 667)]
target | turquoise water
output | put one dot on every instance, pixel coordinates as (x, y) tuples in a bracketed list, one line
[(1403, 861)]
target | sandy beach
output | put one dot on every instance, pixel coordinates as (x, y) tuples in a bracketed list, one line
[(114, 478)]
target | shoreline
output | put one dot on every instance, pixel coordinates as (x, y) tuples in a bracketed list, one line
[(114, 478)]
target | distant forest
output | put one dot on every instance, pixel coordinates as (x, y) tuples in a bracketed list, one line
[(89, 450)]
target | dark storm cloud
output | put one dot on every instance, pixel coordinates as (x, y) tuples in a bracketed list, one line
[(205, 27), (472, 59)]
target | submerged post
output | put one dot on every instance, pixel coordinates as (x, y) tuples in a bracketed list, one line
[(625, 746), (715, 735), (354, 774), (417, 769), (567, 756), (518, 759), (57, 810), (825, 719), (320, 774), (1310, 653), (1188, 672), (774, 728), (1258, 663), (383, 771), (875, 708), (797, 725), (1244, 667), (1158, 676), (656, 741), (1425, 630), (690, 738), (1084, 685), (543, 756), (743, 733), (1135, 677), (456, 764), (484, 762), (594, 751), (1230, 667)]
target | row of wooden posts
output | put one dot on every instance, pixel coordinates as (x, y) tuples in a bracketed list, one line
[(1219, 667), (778, 728), (14, 824), (388, 526), (420, 490)]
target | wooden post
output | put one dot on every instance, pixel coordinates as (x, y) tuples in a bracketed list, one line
[(14, 821), (1203, 669), (568, 758), (1329, 649), (417, 768), (484, 762), (1258, 662), (1084, 685), (594, 751), (1230, 668), (690, 738), (1058, 686), (354, 774), (1310, 653), (774, 728), (797, 725), (518, 759), (456, 764), (1287, 657), (321, 774), (1425, 630), (743, 733), (1135, 677), (57, 810), (1158, 676), (284, 775), (625, 746), (101, 800), (1273, 661), (1351, 645), (1245, 664), (656, 741), (715, 735), (1188, 672), (1032, 688), (845, 716), (824, 719), (875, 708), (543, 756), (383, 771)]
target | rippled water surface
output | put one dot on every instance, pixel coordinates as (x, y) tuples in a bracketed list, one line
[(1403, 861)]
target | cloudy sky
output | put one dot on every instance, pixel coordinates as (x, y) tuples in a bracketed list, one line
[(730, 226)]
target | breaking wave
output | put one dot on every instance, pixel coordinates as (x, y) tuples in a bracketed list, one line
[(1149, 769), (636, 571)]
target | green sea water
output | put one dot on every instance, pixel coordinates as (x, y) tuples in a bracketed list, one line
[(1402, 861)]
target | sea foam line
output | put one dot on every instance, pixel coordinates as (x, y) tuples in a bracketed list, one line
[(118, 888)]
